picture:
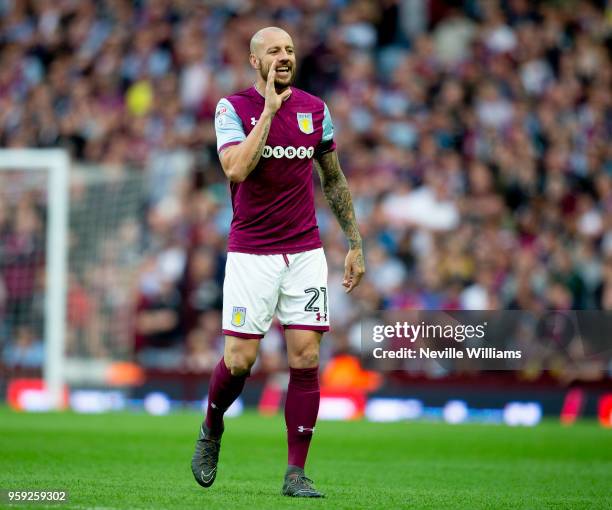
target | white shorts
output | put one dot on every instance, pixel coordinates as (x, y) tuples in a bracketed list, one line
[(292, 286)]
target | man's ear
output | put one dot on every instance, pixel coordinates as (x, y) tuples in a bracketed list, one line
[(255, 62)]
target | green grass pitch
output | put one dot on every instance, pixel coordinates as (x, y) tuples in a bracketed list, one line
[(136, 461)]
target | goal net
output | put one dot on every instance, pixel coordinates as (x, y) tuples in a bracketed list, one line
[(69, 259)]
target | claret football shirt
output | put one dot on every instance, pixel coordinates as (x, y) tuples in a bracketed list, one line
[(274, 210)]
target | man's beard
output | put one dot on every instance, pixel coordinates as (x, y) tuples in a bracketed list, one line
[(277, 84)]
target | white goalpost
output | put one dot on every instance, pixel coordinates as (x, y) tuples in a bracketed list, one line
[(73, 244), (56, 162)]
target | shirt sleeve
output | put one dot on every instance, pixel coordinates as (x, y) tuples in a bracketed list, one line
[(327, 143), (328, 125), (228, 125)]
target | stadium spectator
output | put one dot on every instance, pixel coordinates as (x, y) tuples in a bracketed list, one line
[(27, 350)]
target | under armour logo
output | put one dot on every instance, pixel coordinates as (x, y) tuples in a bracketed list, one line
[(321, 316), (253, 121), (305, 429)]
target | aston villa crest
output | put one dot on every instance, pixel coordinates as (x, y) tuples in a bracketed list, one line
[(238, 316), (305, 122)]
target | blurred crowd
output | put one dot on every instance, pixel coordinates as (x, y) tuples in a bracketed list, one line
[(475, 137)]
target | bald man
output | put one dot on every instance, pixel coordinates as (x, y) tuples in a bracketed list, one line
[(268, 138)]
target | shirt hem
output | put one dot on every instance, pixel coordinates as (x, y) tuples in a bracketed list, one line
[(276, 250), (228, 144)]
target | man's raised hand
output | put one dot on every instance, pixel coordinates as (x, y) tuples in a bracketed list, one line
[(274, 100)]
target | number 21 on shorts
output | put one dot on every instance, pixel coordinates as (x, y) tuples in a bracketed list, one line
[(314, 304)]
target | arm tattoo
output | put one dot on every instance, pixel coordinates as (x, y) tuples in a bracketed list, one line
[(261, 144), (336, 191)]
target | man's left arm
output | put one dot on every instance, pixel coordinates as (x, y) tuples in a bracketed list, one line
[(336, 191)]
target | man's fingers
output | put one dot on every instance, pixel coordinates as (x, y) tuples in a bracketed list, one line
[(349, 278), (354, 278), (352, 284), (285, 95), (355, 281), (347, 275), (272, 73)]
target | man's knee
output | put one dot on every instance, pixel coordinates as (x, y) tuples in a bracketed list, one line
[(307, 357), (239, 360)]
